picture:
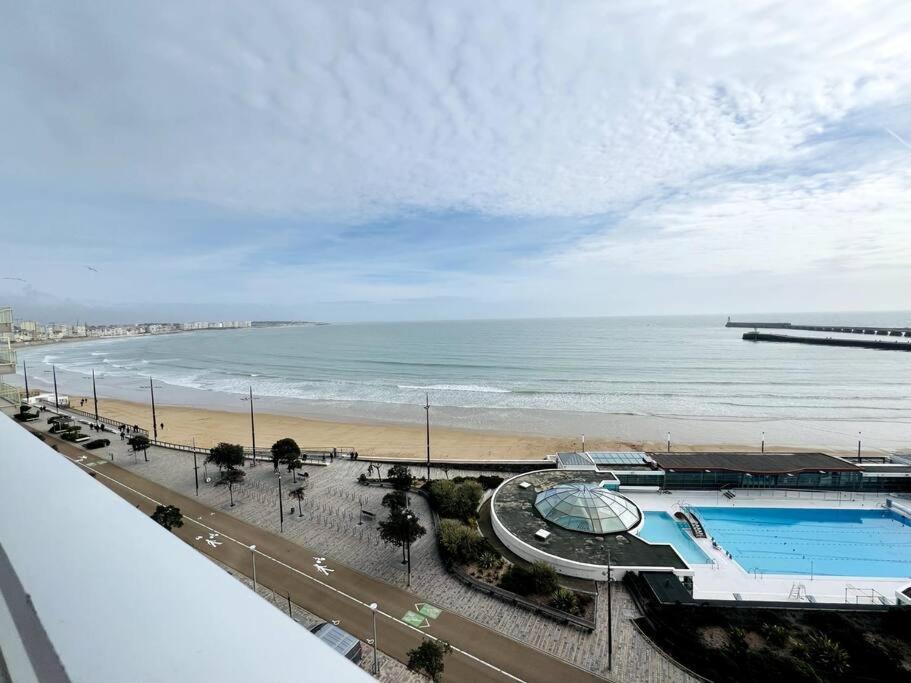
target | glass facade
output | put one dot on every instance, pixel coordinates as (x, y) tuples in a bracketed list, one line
[(588, 508), (818, 480)]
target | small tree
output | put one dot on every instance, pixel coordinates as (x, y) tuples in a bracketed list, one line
[(401, 528), (140, 442), (428, 657), (168, 516), (395, 500), (400, 476), (226, 455), (284, 450), (299, 494), (231, 477), (294, 463)]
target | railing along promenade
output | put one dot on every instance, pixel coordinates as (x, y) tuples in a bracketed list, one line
[(321, 453), (110, 422)]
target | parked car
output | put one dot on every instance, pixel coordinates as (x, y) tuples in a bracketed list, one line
[(97, 443)]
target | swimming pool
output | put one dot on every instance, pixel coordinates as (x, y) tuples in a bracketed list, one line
[(828, 542), (660, 527)]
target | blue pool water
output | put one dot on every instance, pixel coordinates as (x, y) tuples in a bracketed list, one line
[(833, 542), (660, 527)]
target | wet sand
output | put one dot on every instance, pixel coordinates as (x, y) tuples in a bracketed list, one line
[(208, 427)]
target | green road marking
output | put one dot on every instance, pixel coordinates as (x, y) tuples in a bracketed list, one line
[(428, 610), (415, 619)]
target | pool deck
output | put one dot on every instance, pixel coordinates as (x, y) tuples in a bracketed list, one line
[(725, 579)]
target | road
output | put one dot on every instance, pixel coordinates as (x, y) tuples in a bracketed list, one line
[(333, 591)]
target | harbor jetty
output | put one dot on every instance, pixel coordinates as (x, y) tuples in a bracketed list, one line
[(845, 329), (880, 344)]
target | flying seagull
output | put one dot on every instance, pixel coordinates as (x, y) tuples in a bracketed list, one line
[(94, 270), (14, 278)]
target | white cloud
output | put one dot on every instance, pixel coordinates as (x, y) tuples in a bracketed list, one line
[(362, 110), (833, 221), (760, 137)]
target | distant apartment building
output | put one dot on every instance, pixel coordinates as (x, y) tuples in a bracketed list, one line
[(7, 355)]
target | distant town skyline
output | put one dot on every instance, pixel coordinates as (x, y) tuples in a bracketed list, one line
[(362, 161)]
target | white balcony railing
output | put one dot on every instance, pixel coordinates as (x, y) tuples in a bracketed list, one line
[(6, 321), (7, 360)]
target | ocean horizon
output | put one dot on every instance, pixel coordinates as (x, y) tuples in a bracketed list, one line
[(630, 378)]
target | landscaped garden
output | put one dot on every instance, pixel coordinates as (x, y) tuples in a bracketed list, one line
[(793, 645)]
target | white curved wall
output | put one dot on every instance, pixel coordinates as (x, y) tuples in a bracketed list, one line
[(582, 570)]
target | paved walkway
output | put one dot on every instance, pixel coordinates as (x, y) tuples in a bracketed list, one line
[(334, 591), (329, 523)]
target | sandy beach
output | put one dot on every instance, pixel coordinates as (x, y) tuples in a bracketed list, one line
[(208, 427)]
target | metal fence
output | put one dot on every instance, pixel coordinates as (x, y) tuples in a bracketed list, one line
[(104, 420)]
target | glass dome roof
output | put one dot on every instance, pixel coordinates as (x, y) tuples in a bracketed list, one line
[(589, 508)]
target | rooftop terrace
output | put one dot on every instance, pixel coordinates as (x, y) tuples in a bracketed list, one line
[(771, 463), (515, 508)]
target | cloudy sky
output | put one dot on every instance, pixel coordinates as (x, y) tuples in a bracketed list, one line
[(397, 160)]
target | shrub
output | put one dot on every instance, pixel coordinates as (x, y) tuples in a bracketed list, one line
[(737, 644), (518, 579), (489, 560), (545, 577), (775, 634), (539, 579), (459, 542), (821, 652), (362, 478), (564, 599), (456, 500)]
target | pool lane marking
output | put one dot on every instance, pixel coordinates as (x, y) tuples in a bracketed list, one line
[(311, 578)]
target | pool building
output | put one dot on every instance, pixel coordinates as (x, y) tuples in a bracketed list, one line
[(766, 527)]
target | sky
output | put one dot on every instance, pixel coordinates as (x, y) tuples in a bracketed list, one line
[(409, 160)]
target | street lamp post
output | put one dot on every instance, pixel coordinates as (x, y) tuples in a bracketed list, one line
[(281, 509), (252, 425), (610, 622), (376, 661), (409, 517), (154, 419), (56, 398), (95, 394), (763, 443), (25, 376), (253, 555), (427, 411), (858, 446), (195, 467), (668, 442)]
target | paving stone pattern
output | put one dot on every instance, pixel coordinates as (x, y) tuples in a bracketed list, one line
[(328, 524)]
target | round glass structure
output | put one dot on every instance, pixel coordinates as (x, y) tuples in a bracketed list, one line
[(588, 508)]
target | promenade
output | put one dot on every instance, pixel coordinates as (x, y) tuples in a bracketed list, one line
[(329, 525), (333, 591)]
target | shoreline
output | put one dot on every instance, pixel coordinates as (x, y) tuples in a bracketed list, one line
[(207, 427)]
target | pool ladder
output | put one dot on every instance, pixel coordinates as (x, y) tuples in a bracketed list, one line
[(690, 516)]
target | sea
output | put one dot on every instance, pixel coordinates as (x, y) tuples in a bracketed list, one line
[(689, 379)]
